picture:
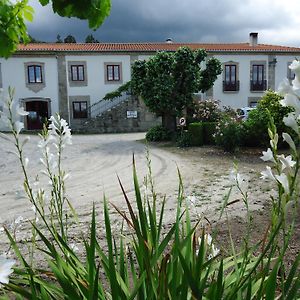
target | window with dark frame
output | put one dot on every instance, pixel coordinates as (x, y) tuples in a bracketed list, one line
[(77, 72), (113, 72), (35, 74), (80, 110), (258, 83), (230, 83)]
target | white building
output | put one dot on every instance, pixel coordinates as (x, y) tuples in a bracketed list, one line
[(72, 78)]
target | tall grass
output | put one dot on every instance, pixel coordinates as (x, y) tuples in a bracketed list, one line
[(151, 261)]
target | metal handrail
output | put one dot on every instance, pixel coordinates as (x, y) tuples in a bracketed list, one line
[(101, 106)]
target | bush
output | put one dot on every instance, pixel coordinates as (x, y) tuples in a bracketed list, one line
[(209, 130), (197, 134), (184, 139), (158, 133), (228, 134), (256, 126), (207, 111)]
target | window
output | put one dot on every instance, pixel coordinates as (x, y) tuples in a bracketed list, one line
[(258, 82), (230, 82), (113, 72), (77, 73), (80, 110), (35, 74)]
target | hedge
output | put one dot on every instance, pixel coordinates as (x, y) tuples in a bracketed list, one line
[(196, 131)]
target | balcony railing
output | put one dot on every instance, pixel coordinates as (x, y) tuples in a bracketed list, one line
[(258, 85), (231, 86)]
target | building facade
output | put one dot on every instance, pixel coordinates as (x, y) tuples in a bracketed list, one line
[(72, 79)]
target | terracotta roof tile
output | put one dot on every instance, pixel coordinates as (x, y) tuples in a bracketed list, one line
[(151, 47)]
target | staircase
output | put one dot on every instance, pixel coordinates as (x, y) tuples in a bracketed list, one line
[(98, 108)]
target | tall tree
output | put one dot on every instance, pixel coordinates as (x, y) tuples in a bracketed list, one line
[(70, 39), (15, 13), (168, 80), (90, 39), (58, 39)]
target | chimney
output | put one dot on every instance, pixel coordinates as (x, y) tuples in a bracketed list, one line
[(169, 41), (253, 39)]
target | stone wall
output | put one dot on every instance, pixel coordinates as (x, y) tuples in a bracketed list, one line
[(116, 120)]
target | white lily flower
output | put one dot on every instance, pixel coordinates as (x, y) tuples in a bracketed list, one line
[(295, 67), (287, 138), (283, 180), (20, 111), (18, 126), (287, 162), (285, 87), (5, 269), (292, 101), (291, 121), (267, 174), (268, 155), (296, 83)]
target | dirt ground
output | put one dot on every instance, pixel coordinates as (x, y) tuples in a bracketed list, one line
[(95, 161)]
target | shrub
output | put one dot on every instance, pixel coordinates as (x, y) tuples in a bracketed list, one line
[(158, 133), (184, 138), (197, 134), (209, 130), (207, 111), (256, 126), (228, 134)]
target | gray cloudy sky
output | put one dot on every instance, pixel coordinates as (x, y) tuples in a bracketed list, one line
[(276, 21)]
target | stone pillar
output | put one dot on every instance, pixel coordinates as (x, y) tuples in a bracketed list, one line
[(62, 88), (271, 71)]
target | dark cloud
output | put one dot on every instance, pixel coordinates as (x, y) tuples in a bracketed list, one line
[(156, 20)]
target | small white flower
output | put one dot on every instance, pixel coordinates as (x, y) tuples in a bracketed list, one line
[(292, 101), (73, 247), (283, 180), (268, 155), (5, 269), (18, 126), (287, 138), (20, 111), (291, 121), (267, 174), (295, 67), (192, 200), (285, 87), (286, 162)]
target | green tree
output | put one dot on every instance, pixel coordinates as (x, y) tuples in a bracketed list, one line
[(14, 14), (168, 80), (58, 39), (90, 39), (69, 39)]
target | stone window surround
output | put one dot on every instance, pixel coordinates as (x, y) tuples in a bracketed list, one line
[(106, 81), (37, 86), (79, 98), (80, 113), (31, 99), (258, 62), (74, 83), (237, 76)]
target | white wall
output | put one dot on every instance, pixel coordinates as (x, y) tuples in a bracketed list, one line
[(97, 88), (13, 74), (239, 98)]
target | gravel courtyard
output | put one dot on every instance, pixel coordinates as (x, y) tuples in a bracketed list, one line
[(95, 161)]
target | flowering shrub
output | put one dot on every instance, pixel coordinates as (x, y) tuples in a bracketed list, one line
[(151, 263), (256, 125), (228, 134), (207, 111)]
